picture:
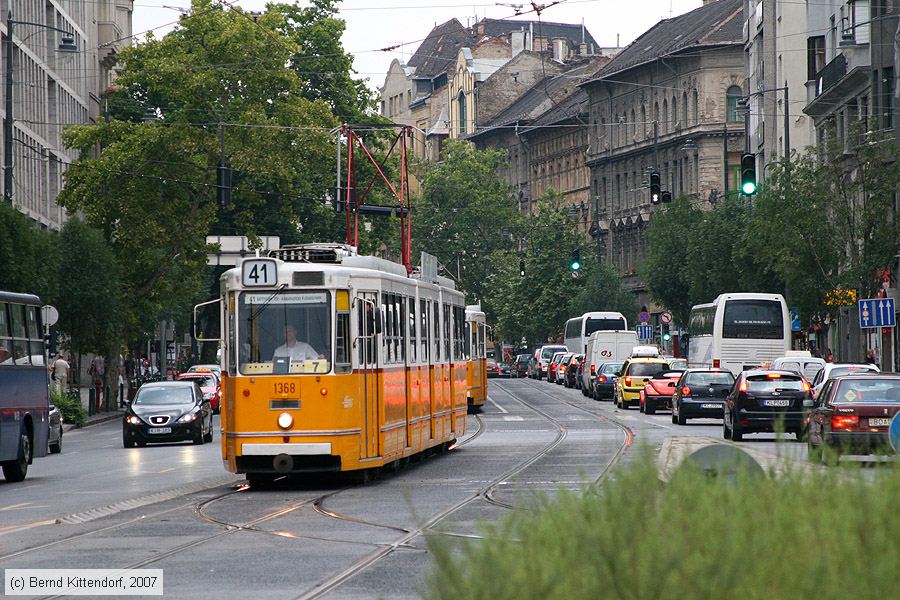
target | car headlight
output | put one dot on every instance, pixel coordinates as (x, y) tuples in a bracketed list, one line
[(134, 420), (187, 418)]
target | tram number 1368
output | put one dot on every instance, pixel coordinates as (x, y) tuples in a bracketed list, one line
[(285, 388), (259, 272)]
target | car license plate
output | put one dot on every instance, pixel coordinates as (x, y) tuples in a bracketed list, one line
[(776, 402), (879, 422), (710, 406), (160, 430)]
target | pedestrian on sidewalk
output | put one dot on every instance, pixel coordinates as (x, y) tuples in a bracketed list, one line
[(96, 371), (61, 374)]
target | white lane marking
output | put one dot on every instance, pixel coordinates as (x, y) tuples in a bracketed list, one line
[(500, 408), (15, 506), (513, 418), (166, 470)]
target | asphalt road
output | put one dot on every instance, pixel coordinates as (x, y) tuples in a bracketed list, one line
[(98, 505)]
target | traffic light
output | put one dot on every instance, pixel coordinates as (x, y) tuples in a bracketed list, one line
[(521, 267), (575, 260), (666, 197), (655, 190), (666, 335), (748, 174)]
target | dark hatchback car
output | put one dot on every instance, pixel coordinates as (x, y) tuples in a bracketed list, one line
[(167, 411), (852, 414), (520, 367), (700, 394), (605, 380), (760, 400)]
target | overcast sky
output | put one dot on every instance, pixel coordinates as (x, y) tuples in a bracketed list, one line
[(376, 24)]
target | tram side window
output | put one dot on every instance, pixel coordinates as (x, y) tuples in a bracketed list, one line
[(423, 330), (447, 332), (436, 320), (342, 343), (481, 337), (400, 341), (413, 338), (460, 339), (366, 327), (387, 340), (473, 337)]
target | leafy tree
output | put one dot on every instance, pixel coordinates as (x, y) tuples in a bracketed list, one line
[(27, 256), (90, 297), (828, 221), (465, 216)]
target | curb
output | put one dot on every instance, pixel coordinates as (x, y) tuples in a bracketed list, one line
[(94, 421)]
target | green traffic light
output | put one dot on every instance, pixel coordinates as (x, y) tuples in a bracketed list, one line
[(575, 265), (749, 188), (667, 337)]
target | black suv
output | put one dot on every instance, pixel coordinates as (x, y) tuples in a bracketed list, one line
[(520, 367), (760, 399)]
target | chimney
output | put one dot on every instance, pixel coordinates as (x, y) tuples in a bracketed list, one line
[(518, 41), (560, 49)]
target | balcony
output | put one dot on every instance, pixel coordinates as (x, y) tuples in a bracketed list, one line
[(831, 74), (845, 76)]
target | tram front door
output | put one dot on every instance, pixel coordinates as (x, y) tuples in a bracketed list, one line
[(369, 324)]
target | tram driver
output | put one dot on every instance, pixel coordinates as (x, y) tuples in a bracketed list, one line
[(294, 349)]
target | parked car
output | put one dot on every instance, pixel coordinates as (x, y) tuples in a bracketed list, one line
[(604, 385), (167, 411), (504, 369), (700, 394), (54, 440), (493, 370), (634, 375), (540, 363), (551, 366), (832, 370), (761, 399), (570, 374), (852, 414), (520, 367), (657, 393), (210, 384)]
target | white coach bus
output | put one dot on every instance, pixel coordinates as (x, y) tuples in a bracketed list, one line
[(580, 328), (738, 331)]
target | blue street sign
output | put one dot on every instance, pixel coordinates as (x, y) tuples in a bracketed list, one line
[(894, 433), (644, 332), (877, 312), (795, 318), (644, 316)]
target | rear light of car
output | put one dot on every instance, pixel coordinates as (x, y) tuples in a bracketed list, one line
[(774, 375), (685, 391), (716, 363), (844, 421), (601, 379), (628, 381), (806, 387), (743, 387)]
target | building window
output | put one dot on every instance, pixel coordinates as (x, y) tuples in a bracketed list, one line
[(461, 104), (696, 108), (684, 110), (674, 113), (665, 116), (732, 97), (815, 56)]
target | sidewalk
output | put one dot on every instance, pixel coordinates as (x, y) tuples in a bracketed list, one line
[(95, 419)]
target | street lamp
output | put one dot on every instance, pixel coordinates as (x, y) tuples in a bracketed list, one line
[(67, 44)]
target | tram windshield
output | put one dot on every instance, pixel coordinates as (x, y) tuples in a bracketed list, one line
[(284, 332)]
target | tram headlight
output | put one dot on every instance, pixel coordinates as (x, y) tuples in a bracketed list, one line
[(285, 420)]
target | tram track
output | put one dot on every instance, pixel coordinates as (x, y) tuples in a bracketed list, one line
[(485, 493)]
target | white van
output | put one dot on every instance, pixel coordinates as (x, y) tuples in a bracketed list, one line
[(808, 366), (606, 346)]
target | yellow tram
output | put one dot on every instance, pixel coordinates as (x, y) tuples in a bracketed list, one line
[(334, 361), (476, 369)]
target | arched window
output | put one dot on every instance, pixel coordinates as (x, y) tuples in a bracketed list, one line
[(461, 102), (732, 95), (633, 129), (656, 112), (684, 110), (674, 112), (696, 108), (665, 116), (643, 125)]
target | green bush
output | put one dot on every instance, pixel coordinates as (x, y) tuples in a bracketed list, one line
[(824, 535), (69, 405)]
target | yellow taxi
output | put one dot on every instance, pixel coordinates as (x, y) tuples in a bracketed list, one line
[(635, 373)]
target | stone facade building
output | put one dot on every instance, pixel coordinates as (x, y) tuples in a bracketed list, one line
[(667, 102), (53, 88)]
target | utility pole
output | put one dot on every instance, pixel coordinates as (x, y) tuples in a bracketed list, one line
[(8, 123), (725, 153), (787, 124)]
